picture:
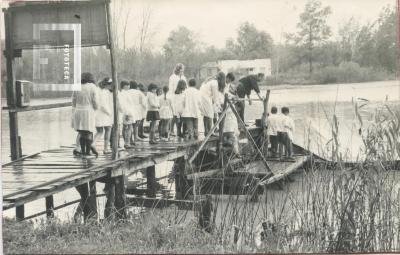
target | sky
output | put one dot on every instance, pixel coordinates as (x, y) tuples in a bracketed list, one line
[(214, 21)]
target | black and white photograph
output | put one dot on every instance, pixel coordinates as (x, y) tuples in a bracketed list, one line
[(200, 126)]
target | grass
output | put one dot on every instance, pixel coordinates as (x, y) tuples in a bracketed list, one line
[(345, 209)]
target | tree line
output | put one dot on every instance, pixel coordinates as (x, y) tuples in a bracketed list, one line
[(311, 55)]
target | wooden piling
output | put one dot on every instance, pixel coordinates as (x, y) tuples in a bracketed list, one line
[(181, 183), (20, 212), (88, 204), (115, 131), (50, 206), (109, 189), (92, 200), (264, 122), (151, 181), (120, 197), (11, 92)]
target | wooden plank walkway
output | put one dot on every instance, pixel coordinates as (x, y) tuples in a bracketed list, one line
[(53, 171)]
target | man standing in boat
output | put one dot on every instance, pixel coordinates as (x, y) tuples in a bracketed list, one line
[(244, 88)]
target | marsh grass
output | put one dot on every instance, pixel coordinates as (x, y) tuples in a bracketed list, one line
[(345, 209)]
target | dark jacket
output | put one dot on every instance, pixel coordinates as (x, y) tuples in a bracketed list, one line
[(246, 84)]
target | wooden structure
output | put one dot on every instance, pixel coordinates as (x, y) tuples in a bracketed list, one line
[(40, 176), (94, 19)]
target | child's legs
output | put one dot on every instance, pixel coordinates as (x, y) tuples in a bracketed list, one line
[(274, 143), (172, 124), (135, 130), (82, 141), (188, 127), (140, 128), (152, 129), (179, 127), (161, 128), (195, 128), (99, 133), (127, 130), (168, 127), (207, 125), (280, 143), (77, 142), (286, 143), (107, 135), (289, 146)]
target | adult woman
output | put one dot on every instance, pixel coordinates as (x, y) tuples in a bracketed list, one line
[(85, 103), (104, 113)]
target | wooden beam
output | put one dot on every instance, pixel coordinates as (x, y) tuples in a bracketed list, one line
[(159, 202), (203, 174), (264, 123), (37, 107), (248, 134), (204, 142)]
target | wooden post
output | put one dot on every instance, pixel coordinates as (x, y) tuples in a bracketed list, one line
[(115, 134), (110, 194), (120, 198), (89, 210), (264, 123), (181, 186), (92, 200), (20, 212), (249, 135), (151, 181), (11, 93), (50, 206), (221, 135)]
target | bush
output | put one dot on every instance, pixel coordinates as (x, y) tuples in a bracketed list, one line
[(348, 72), (345, 72)]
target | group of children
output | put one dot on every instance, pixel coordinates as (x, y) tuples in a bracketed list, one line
[(180, 109), (280, 132)]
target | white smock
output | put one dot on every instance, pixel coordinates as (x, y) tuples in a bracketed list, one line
[(191, 103), (104, 113), (166, 108), (85, 103), (135, 100), (178, 104), (210, 98), (230, 123), (173, 84), (143, 104)]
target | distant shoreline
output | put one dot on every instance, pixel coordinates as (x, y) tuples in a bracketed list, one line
[(294, 86)]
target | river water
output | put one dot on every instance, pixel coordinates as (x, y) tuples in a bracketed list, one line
[(311, 107)]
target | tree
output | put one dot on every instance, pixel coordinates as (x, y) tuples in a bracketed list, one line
[(250, 43), (386, 40), (181, 47), (348, 33), (313, 29)]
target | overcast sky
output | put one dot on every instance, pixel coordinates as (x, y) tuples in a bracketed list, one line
[(214, 21)]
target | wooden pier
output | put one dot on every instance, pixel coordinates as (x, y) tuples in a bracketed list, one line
[(41, 175)]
